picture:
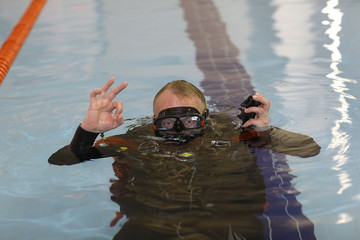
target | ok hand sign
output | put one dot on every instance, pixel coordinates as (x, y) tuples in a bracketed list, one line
[(100, 116)]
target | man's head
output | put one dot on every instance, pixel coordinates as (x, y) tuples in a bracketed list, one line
[(179, 111), (179, 93)]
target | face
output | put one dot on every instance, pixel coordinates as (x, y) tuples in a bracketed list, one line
[(181, 121), (169, 100)]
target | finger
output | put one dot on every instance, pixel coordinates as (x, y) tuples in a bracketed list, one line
[(253, 122), (119, 120), (108, 84), (248, 123), (114, 92), (261, 118), (94, 93), (260, 98), (118, 105), (257, 110)]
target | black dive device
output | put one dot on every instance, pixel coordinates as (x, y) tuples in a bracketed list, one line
[(249, 102)]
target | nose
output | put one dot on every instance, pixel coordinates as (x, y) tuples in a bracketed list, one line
[(178, 127)]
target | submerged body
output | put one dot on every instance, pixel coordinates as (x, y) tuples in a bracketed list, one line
[(208, 188)]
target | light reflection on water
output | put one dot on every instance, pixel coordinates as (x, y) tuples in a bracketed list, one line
[(340, 137), (340, 140)]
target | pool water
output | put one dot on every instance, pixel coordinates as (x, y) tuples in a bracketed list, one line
[(300, 54)]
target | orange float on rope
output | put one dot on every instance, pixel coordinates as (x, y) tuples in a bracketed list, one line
[(14, 42)]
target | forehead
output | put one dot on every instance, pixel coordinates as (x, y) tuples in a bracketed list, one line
[(169, 100), (178, 111)]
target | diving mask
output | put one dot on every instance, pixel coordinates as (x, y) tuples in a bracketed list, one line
[(179, 123)]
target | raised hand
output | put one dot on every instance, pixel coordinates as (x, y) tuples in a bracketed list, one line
[(100, 116), (261, 121)]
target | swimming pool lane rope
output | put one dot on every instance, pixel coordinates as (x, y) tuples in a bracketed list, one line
[(17, 37)]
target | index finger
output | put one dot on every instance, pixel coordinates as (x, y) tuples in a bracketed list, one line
[(112, 94), (260, 98), (108, 84)]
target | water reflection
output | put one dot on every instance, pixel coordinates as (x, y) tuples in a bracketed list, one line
[(164, 191), (340, 137), (213, 187)]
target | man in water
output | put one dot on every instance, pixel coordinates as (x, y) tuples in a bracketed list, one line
[(177, 104), (180, 112), (190, 188)]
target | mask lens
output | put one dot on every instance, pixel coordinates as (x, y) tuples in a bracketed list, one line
[(165, 123), (190, 122)]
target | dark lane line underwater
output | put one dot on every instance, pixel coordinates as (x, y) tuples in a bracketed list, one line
[(217, 58)]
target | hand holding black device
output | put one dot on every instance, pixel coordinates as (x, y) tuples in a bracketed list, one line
[(242, 115)]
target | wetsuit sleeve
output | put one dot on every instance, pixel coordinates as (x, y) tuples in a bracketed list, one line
[(81, 149), (82, 140), (290, 143)]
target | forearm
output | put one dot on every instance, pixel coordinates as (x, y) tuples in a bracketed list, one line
[(81, 149), (83, 140), (291, 143)]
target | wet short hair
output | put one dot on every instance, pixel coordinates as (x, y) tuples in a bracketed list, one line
[(183, 88)]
